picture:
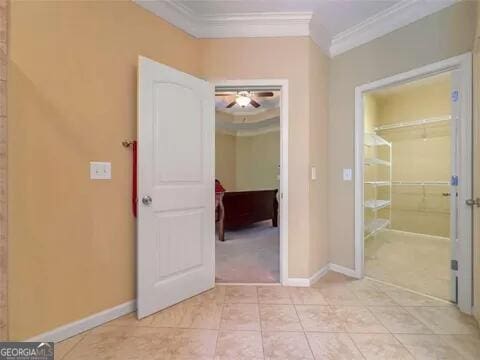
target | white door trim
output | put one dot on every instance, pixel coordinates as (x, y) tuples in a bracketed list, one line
[(282, 84), (462, 63)]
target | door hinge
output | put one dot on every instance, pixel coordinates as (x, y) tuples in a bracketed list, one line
[(454, 180), (454, 265)]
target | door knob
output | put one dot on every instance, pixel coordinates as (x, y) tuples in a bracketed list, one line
[(146, 200), (472, 202)]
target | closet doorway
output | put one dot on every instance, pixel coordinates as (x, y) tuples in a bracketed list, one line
[(415, 182)]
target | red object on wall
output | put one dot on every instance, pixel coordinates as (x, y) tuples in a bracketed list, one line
[(134, 179), (218, 187)]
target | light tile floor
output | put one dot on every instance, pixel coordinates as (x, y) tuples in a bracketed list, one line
[(413, 261), (337, 318)]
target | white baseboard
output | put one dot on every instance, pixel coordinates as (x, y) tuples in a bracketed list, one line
[(306, 282), (319, 274), (343, 270), (79, 326), (300, 282)]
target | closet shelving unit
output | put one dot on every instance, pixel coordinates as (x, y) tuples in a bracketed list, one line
[(419, 122), (374, 140), (421, 183), (372, 226)]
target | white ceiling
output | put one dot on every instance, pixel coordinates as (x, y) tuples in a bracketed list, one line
[(335, 16), (335, 25)]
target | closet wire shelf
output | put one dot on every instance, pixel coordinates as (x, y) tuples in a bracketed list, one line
[(374, 140), (376, 224), (378, 183), (419, 122), (376, 161), (376, 205), (373, 226), (421, 183)]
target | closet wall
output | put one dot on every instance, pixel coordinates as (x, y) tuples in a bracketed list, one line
[(225, 162), (244, 163), (419, 153)]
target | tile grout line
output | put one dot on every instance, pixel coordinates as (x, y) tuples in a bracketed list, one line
[(219, 327), (355, 344), (404, 346), (390, 332), (260, 323), (64, 357), (304, 331), (434, 298), (418, 319)]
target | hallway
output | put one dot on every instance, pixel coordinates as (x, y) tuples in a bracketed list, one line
[(337, 318)]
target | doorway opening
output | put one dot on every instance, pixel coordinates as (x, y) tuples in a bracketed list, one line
[(249, 186), (413, 164), (408, 166)]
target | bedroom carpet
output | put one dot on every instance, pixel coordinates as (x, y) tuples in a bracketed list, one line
[(249, 255)]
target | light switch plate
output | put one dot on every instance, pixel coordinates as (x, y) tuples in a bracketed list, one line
[(347, 174), (100, 170)]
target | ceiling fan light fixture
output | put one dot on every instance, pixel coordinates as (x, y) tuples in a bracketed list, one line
[(243, 99)]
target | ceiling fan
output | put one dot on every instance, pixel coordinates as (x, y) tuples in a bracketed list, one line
[(244, 98)]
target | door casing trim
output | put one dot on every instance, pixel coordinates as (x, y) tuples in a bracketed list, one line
[(462, 63)]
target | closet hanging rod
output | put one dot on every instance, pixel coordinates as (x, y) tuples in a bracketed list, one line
[(421, 183), (419, 122)]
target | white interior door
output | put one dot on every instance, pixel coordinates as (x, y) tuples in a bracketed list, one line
[(176, 224), (454, 241), (462, 116), (462, 204)]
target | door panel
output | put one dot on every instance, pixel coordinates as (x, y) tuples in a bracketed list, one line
[(176, 234), (454, 124), (178, 123), (462, 246)]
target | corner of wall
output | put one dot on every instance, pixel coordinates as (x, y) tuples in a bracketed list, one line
[(319, 63)]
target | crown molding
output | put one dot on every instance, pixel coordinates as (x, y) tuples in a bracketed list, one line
[(272, 24), (252, 132), (284, 24), (223, 124), (384, 22), (174, 13)]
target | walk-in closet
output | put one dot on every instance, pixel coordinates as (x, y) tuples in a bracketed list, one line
[(407, 185)]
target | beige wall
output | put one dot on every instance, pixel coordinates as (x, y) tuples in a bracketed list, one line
[(225, 159), (247, 162), (286, 58), (257, 161), (439, 36), (318, 143), (73, 97), (72, 93), (4, 174), (414, 158)]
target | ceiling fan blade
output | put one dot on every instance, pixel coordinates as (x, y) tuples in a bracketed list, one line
[(225, 94), (230, 105), (264, 94), (254, 103)]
